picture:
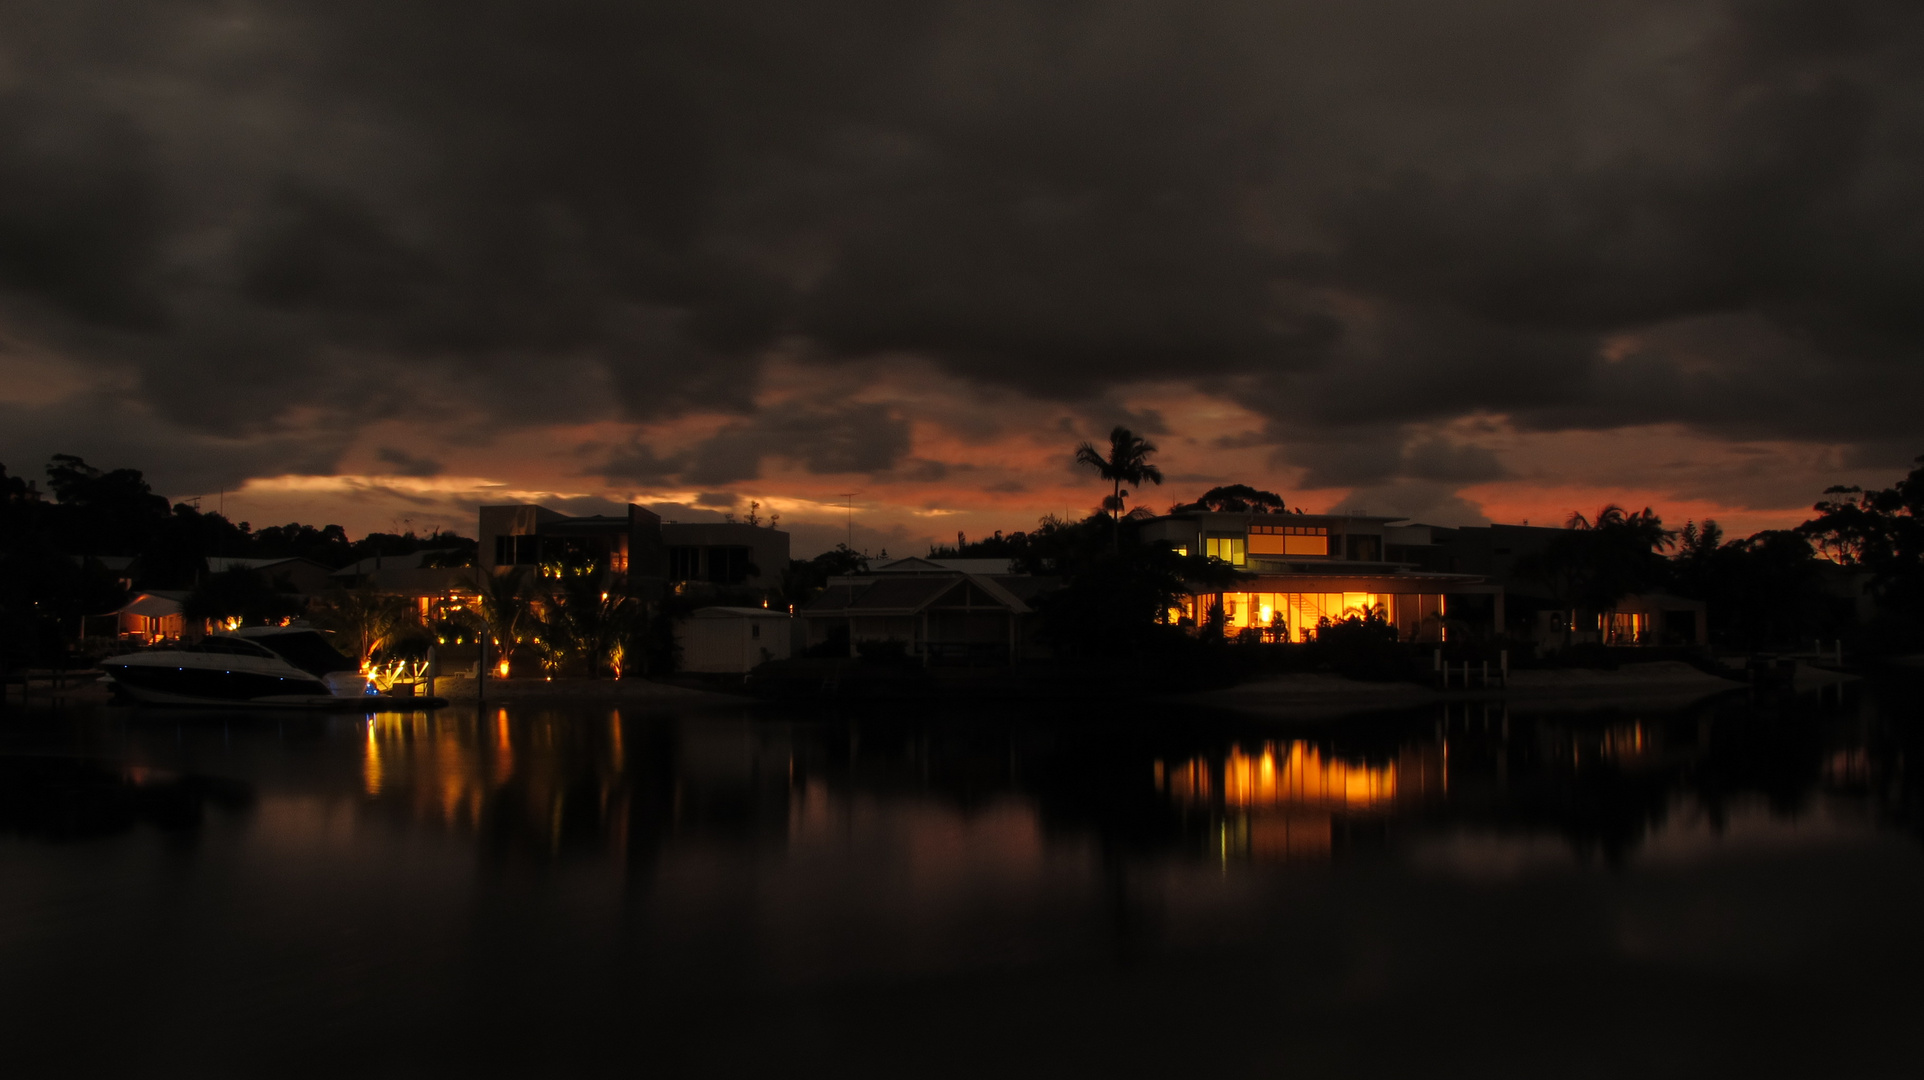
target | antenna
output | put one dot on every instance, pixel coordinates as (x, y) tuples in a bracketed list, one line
[(850, 496)]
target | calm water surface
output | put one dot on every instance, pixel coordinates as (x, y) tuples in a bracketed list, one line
[(1731, 889)]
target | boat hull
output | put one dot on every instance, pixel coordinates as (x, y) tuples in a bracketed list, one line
[(234, 673), (147, 695), (154, 684)]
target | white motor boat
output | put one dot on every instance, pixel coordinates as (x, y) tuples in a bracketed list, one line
[(291, 666)]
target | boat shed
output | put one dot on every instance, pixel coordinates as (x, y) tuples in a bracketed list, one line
[(734, 640)]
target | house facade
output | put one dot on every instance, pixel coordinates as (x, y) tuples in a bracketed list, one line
[(638, 543), (940, 611), (435, 592), (150, 617), (1504, 554), (1304, 568)]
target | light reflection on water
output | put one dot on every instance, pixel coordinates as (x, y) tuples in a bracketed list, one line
[(1044, 877)]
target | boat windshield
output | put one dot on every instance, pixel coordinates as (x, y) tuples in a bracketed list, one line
[(227, 646), (307, 650)]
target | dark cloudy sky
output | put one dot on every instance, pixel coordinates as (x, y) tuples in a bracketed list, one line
[(375, 261)]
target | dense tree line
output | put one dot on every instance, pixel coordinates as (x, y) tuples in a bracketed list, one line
[(1775, 589), (65, 551), (1778, 588)]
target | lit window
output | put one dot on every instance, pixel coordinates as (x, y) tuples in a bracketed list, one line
[(1288, 540), (1229, 549)]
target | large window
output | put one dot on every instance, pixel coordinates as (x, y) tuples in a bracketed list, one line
[(1295, 616), (728, 565), (1624, 628), (517, 550), (684, 563), (1288, 540), (1229, 549)]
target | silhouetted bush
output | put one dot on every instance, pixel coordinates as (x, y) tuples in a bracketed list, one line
[(1361, 648), (886, 653), (833, 646)]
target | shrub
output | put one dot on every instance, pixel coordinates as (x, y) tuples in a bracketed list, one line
[(1361, 647)]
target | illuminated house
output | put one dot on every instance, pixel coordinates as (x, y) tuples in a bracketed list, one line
[(1303, 568), (436, 592), (151, 616), (942, 611), (638, 544)]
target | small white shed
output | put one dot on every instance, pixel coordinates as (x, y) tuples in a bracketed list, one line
[(732, 640)]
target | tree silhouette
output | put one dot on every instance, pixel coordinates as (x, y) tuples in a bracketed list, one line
[(369, 619), (1236, 499), (503, 609), (1598, 560), (1127, 462)]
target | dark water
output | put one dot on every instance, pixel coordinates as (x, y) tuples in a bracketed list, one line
[(1731, 889)]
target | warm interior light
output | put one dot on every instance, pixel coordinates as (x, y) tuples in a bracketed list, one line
[(501, 669)]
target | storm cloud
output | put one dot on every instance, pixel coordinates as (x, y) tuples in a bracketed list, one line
[(264, 226)]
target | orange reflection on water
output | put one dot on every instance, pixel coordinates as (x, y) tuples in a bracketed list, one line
[(1296, 775), (503, 749), (434, 762), (1282, 801), (371, 762), (1631, 745)]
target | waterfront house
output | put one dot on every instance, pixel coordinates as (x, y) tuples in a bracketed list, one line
[(151, 616), (435, 592), (1300, 569), (940, 611), (1509, 555), (639, 544)]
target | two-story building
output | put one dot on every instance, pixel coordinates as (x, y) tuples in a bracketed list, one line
[(638, 544), (1511, 556), (1304, 568)]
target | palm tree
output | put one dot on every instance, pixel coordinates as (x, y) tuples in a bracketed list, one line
[(369, 619), (589, 618), (1642, 526), (1127, 462), (503, 610)]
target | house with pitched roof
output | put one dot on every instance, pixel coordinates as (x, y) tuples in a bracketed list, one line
[(942, 611)]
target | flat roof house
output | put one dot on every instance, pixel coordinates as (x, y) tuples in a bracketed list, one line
[(1308, 567), (1503, 554), (638, 544)]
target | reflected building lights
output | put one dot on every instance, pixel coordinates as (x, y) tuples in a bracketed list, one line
[(371, 762), (1282, 802)]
